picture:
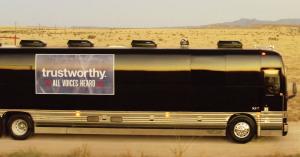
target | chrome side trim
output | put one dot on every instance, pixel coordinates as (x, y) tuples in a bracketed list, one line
[(271, 133), (258, 123), (129, 131), (271, 120), (267, 121), (128, 118), (272, 123), (50, 130)]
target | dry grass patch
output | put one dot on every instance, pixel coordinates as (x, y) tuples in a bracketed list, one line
[(26, 153), (82, 151), (282, 155)]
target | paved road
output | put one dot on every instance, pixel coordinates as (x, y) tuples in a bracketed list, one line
[(137, 146)]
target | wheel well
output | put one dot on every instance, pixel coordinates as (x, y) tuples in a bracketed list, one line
[(7, 115), (241, 114)]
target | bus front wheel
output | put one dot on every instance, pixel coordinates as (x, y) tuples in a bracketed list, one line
[(241, 129)]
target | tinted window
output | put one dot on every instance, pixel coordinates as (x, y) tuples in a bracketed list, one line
[(272, 81)]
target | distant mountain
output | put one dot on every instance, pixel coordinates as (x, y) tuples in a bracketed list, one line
[(255, 22), (288, 21)]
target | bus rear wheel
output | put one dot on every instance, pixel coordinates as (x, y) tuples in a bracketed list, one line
[(241, 129), (20, 126)]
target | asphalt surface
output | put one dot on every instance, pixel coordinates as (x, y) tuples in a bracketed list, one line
[(164, 146)]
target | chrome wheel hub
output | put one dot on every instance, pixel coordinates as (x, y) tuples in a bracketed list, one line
[(241, 130), (19, 127)]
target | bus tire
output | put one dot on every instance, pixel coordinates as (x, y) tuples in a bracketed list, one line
[(20, 126), (241, 129)]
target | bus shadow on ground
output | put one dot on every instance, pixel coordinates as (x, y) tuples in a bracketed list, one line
[(132, 138)]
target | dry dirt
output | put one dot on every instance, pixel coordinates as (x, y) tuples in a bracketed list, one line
[(157, 146)]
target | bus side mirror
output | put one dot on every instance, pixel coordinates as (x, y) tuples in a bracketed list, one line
[(294, 91)]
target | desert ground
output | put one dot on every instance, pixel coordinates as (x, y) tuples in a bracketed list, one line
[(150, 146), (285, 39)]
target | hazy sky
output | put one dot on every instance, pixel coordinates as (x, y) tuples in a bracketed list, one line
[(141, 13)]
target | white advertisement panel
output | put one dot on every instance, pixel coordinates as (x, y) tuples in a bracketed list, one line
[(82, 74)]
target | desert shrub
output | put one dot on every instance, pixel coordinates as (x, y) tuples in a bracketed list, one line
[(273, 38), (82, 151), (92, 36)]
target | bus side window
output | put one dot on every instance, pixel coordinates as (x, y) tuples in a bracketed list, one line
[(272, 81)]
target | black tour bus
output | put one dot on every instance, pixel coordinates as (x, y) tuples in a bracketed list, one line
[(238, 93)]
